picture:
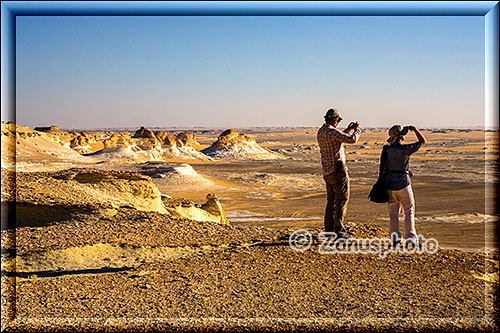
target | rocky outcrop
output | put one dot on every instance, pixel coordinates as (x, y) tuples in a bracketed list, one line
[(186, 139), (180, 140), (42, 198), (81, 142), (166, 139), (120, 147), (183, 152), (51, 130), (9, 129), (233, 144), (214, 207), (117, 147), (176, 174), (231, 137), (79, 190), (9, 135), (56, 135), (144, 133), (210, 211), (146, 145), (147, 141), (118, 141), (23, 148), (182, 146)]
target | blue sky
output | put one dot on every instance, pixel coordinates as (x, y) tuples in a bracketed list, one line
[(91, 72)]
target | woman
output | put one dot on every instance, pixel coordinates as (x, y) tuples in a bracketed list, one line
[(397, 178)]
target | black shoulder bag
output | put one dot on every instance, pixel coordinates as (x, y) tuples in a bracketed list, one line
[(379, 192)]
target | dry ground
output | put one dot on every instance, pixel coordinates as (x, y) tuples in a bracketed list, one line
[(135, 270)]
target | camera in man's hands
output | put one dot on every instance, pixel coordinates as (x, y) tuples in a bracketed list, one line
[(353, 124)]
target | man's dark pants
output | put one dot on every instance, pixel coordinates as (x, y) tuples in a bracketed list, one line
[(337, 192)]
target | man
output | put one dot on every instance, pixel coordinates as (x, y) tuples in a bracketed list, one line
[(331, 145)]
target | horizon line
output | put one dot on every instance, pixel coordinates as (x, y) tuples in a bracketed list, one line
[(132, 128)]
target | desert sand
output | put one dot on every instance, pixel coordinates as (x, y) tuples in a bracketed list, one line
[(181, 229)]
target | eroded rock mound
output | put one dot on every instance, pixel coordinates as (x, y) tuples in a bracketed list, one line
[(146, 145), (232, 137), (43, 198), (144, 133), (51, 130), (56, 135), (121, 147), (210, 211), (214, 207), (81, 142), (146, 139), (79, 189), (8, 129), (233, 144), (180, 140), (118, 141), (176, 174), (186, 139), (182, 145), (27, 149), (166, 139)]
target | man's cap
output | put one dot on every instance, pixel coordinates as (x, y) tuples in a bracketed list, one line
[(332, 113), (395, 132)]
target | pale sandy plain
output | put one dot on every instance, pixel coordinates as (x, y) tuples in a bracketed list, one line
[(122, 267)]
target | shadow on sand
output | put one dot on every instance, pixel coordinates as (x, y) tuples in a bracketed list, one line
[(49, 274)]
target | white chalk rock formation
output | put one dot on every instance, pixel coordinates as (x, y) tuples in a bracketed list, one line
[(117, 147), (210, 211), (147, 142), (54, 134), (146, 145), (81, 142), (182, 146), (233, 144), (25, 148), (142, 146), (173, 173), (90, 188)]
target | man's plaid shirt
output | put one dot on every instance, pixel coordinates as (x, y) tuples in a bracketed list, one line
[(331, 145)]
